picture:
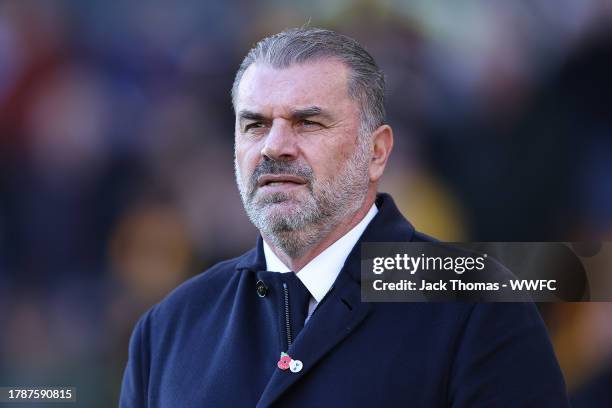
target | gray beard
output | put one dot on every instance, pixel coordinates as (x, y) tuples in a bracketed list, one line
[(328, 203)]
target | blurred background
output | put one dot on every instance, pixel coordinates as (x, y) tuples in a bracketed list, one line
[(116, 145)]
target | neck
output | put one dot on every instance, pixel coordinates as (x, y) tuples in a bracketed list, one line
[(308, 254)]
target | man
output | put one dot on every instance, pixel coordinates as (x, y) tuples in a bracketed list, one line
[(283, 324)]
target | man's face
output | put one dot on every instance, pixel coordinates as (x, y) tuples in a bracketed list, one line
[(299, 157)]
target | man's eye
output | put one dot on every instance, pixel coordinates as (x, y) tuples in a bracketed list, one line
[(254, 125), (309, 123)]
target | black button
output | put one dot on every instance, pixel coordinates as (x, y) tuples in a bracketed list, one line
[(262, 289)]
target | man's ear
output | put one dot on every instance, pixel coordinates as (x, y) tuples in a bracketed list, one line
[(382, 144)]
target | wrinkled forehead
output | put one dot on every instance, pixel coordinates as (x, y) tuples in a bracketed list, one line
[(322, 82)]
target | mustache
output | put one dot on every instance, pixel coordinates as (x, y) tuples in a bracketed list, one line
[(272, 167)]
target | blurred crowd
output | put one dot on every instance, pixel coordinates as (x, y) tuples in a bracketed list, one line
[(116, 155)]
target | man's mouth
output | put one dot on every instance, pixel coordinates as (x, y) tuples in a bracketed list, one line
[(280, 180)]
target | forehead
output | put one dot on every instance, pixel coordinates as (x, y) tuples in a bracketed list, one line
[(272, 90)]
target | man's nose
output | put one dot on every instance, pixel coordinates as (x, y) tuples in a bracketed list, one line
[(280, 142)]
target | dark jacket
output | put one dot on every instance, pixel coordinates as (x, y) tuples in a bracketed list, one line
[(215, 342)]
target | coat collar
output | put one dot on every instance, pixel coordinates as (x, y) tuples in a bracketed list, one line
[(389, 225)]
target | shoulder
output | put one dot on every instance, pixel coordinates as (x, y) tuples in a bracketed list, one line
[(504, 349), (199, 293), (211, 279), (421, 237)]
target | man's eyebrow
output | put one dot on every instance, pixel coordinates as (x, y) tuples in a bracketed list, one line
[(296, 114), (248, 115), (309, 112)]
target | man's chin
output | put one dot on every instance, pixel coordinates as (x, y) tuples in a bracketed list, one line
[(282, 214), (280, 209), (279, 199)]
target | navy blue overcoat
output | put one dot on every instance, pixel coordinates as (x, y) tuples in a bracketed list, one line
[(215, 342)]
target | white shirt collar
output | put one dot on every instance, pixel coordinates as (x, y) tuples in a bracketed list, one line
[(320, 273)]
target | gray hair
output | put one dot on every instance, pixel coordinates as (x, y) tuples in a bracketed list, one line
[(298, 45)]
